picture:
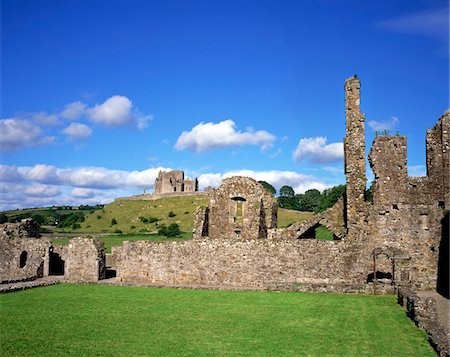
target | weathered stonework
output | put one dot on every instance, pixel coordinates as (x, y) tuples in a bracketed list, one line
[(85, 259), (174, 181), (254, 263), (241, 208), (354, 155), (423, 311), (23, 258), (26, 228), (390, 242)]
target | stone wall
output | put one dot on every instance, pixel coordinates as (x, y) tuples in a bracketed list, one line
[(22, 259), (354, 155), (235, 262), (241, 207), (26, 228), (174, 181), (85, 259), (423, 311)]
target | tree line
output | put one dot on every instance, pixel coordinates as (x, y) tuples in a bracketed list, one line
[(311, 201)]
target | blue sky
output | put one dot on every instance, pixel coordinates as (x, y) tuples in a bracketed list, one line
[(98, 96)]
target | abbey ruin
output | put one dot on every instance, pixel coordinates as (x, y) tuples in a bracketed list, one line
[(397, 239), (174, 182)]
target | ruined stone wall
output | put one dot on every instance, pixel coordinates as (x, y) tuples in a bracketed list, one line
[(354, 155), (190, 185), (84, 259), (22, 259), (438, 159), (231, 262), (404, 215), (26, 228), (241, 207), (173, 181)]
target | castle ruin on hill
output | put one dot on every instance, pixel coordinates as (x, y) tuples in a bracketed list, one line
[(383, 244), (174, 182)]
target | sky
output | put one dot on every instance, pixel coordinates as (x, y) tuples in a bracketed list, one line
[(98, 96)]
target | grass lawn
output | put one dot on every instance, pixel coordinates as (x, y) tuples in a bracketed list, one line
[(99, 320), (117, 239)]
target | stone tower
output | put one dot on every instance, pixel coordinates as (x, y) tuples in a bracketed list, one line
[(354, 151)]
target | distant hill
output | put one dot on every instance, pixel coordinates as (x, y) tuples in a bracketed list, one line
[(144, 216)]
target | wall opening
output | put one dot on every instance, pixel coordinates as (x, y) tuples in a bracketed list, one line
[(382, 277), (56, 264), (23, 259), (443, 261), (318, 232), (238, 209)]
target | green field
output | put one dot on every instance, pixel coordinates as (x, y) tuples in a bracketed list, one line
[(100, 320), (127, 215)]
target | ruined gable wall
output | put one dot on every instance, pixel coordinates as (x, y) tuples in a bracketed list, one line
[(252, 216), (85, 259), (238, 263)]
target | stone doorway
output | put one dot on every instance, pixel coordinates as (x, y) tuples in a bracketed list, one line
[(56, 264)]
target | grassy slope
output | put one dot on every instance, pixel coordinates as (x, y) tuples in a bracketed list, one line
[(88, 320), (286, 217), (127, 214)]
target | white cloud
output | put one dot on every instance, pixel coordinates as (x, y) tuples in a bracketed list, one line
[(432, 22), (144, 179), (417, 170), (77, 131), (16, 134), (142, 120), (299, 182), (45, 119), (42, 191), (115, 111), (205, 136), (42, 173), (10, 174), (316, 150), (383, 125), (92, 177), (83, 192), (73, 111)]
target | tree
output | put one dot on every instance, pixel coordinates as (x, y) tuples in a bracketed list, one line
[(172, 230), (268, 187), (310, 200), (3, 218), (287, 191), (330, 197)]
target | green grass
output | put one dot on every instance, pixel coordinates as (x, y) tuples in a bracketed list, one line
[(127, 214), (99, 320), (286, 217), (114, 240), (323, 233)]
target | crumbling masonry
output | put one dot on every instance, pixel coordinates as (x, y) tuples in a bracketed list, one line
[(389, 242), (174, 182)]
